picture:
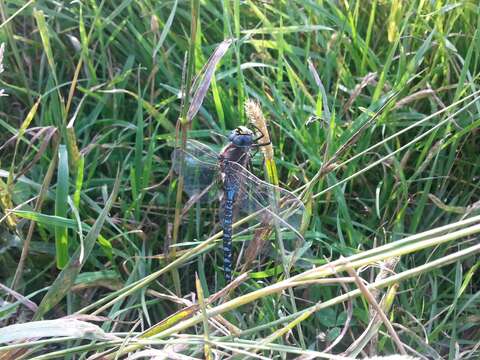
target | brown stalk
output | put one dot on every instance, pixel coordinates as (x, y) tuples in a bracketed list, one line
[(371, 300), (386, 270), (31, 227)]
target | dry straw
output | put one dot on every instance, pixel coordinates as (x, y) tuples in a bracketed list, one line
[(255, 115)]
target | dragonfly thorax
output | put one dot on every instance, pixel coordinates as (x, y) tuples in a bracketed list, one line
[(241, 136)]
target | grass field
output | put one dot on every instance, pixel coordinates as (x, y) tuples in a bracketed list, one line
[(372, 108)]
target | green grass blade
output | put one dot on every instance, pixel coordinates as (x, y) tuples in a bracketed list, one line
[(61, 207)]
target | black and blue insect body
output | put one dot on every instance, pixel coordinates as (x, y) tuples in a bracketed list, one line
[(241, 191)]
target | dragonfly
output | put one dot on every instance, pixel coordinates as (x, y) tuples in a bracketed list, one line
[(207, 173)]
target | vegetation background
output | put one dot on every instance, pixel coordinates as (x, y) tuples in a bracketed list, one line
[(373, 112)]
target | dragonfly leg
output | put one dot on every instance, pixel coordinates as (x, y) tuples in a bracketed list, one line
[(257, 128), (254, 153), (263, 144), (262, 135)]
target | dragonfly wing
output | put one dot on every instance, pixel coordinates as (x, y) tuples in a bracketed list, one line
[(200, 170), (271, 205)]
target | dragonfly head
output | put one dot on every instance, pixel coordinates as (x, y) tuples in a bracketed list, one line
[(241, 136)]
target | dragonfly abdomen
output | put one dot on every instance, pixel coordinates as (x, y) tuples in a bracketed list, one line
[(227, 234)]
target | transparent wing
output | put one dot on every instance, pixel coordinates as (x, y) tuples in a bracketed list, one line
[(201, 169), (269, 206)]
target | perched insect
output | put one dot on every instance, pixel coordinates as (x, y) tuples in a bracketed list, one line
[(241, 191)]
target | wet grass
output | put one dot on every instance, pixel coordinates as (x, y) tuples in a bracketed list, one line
[(373, 114)]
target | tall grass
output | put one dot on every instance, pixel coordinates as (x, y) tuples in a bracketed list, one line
[(373, 113)]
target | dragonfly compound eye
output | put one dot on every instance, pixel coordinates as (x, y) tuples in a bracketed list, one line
[(242, 140), (241, 136)]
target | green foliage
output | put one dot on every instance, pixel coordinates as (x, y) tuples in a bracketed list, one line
[(374, 120)]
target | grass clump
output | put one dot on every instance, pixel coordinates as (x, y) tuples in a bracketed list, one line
[(373, 114)]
